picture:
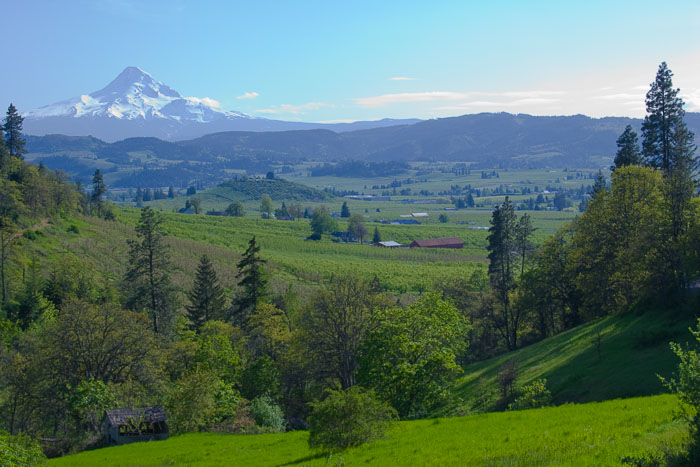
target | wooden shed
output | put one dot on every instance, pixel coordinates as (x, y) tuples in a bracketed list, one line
[(131, 425), (449, 242)]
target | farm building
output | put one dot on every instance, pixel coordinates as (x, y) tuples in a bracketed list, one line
[(450, 242), (130, 425), (389, 244)]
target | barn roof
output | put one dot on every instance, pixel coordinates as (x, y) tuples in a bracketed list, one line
[(119, 417), (433, 242)]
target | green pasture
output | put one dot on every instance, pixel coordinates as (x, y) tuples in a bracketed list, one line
[(588, 434), (616, 356)]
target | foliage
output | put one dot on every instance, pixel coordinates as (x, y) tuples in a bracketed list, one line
[(89, 399), (687, 386), (266, 206), (206, 297), (409, 357), (12, 127), (267, 414), (627, 149), (345, 210), (335, 324), (236, 209), (147, 283), (20, 451), (533, 396), (253, 281), (347, 419), (356, 226), (191, 403), (322, 222)]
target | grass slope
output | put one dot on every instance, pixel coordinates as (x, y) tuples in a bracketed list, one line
[(590, 434), (633, 350)]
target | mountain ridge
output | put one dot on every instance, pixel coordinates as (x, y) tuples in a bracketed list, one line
[(136, 104)]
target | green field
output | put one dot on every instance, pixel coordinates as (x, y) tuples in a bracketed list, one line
[(590, 434)]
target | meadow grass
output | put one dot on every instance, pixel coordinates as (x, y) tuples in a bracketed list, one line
[(613, 357), (588, 434)]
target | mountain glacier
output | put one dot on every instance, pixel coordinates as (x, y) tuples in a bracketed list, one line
[(136, 104)]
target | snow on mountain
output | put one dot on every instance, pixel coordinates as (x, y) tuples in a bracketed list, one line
[(136, 104), (133, 95)]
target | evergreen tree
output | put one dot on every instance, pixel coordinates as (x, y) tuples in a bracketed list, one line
[(627, 149), (376, 238), (599, 184), (171, 192), (206, 297), (470, 201), (345, 210), (503, 251), (668, 146), (147, 281), (12, 127), (98, 191), (523, 233), (252, 280)]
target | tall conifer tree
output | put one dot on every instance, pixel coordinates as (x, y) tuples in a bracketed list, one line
[(253, 282), (627, 149), (207, 296), (12, 127)]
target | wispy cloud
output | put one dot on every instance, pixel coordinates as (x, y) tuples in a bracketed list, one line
[(493, 98), (294, 109), (341, 120), (401, 78), (208, 101), (619, 96), (248, 95), (404, 97)]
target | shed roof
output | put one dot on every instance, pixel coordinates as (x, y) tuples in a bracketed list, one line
[(389, 243), (119, 417), (433, 242)]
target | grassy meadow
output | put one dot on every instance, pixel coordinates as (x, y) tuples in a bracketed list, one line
[(613, 357), (590, 434)]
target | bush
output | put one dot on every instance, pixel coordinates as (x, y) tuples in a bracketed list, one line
[(266, 413), (348, 418), (19, 450), (29, 234), (73, 229), (687, 386), (533, 396)]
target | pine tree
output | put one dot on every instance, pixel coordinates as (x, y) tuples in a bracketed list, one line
[(147, 282), (171, 192), (376, 238), (252, 280), (627, 149), (345, 210), (206, 297), (12, 127), (669, 146), (599, 184), (98, 191)]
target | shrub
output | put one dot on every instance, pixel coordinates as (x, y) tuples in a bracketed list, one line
[(19, 450), (348, 418), (29, 234), (533, 396), (73, 229), (266, 413), (687, 386)]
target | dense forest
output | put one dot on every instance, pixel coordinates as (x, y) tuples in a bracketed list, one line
[(261, 360)]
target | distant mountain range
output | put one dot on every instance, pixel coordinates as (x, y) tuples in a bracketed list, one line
[(136, 104), (487, 140)]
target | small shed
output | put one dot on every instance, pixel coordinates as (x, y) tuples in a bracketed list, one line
[(131, 425), (449, 242)]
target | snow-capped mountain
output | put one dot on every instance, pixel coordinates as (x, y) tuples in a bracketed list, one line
[(137, 104)]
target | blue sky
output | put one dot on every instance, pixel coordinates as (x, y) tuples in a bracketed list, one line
[(358, 60)]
